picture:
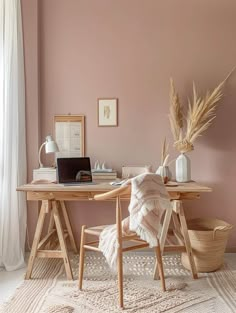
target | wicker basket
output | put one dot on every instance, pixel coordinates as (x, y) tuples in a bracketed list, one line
[(208, 240)]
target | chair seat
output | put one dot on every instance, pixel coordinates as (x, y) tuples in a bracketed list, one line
[(96, 231)]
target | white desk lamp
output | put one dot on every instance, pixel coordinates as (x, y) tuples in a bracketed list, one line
[(50, 147)]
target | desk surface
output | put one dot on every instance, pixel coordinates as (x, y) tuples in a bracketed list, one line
[(105, 186)]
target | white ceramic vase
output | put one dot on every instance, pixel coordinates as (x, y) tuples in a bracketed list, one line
[(164, 172), (183, 168)]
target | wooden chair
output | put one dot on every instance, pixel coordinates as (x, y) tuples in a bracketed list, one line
[(121, 193)]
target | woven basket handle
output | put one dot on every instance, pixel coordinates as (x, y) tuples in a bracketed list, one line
[(221, 228)]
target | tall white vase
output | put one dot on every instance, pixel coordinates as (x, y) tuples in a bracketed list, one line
[(183, 168)]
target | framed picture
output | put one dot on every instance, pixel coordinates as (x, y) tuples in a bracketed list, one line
[(69, 135), (107, 112)]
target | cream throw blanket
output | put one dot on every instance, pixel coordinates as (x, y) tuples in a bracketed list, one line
[(149, 199)]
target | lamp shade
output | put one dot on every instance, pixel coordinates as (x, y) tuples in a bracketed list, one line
[(51, 145)]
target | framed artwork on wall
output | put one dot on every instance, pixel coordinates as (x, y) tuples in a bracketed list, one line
[(69, 135), (107, 112)]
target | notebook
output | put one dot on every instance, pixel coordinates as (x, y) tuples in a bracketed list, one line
[(74, 171)]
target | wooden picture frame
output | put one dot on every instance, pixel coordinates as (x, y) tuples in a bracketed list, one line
[(107, 112), (69, 135)]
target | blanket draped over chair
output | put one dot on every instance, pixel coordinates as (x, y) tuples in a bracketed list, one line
[(149, 200)]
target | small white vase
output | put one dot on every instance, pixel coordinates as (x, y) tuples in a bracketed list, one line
[(164, 172), (183, 168)]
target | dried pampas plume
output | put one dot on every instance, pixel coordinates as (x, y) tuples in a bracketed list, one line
[(200, 115), (175, 116), (164, 153)]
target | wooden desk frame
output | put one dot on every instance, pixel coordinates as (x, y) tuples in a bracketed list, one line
[(53, 197), (55, 227)]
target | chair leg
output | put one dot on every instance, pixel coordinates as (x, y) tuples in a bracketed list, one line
[(81, 257), (160, 267), (120, 278)]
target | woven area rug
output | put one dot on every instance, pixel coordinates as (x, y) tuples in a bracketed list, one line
[(50, 292)]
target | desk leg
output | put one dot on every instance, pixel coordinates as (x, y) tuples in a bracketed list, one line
[(187, 242), (62, 242), (68, 226), (177, 229), (37, 236), (50, 228), (181, 232)]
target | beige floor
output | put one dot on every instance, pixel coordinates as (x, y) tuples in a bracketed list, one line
[(9, 281)]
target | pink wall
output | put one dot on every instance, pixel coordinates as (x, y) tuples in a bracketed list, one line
[(129, 50), (30, 28)]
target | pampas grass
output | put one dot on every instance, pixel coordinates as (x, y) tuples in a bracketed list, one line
[(176, 116), (200, 115), (164, 152)]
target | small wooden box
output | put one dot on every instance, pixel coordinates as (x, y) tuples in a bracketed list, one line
[(46, 173)]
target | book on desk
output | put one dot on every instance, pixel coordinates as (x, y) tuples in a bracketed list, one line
[(104, 175)]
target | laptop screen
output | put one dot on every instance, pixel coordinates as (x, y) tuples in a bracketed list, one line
[(74, 170)]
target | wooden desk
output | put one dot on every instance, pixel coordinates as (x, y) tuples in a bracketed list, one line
[(53, 197)]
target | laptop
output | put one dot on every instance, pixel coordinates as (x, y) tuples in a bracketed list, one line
[(74, 171)]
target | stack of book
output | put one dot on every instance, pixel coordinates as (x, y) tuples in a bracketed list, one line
[(104, 175)]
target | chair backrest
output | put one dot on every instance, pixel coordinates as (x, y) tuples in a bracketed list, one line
[(132, 171)]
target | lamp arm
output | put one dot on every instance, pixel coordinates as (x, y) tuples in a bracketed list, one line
[(40, 150)]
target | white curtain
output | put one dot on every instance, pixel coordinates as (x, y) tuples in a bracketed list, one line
[(12, 137)]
